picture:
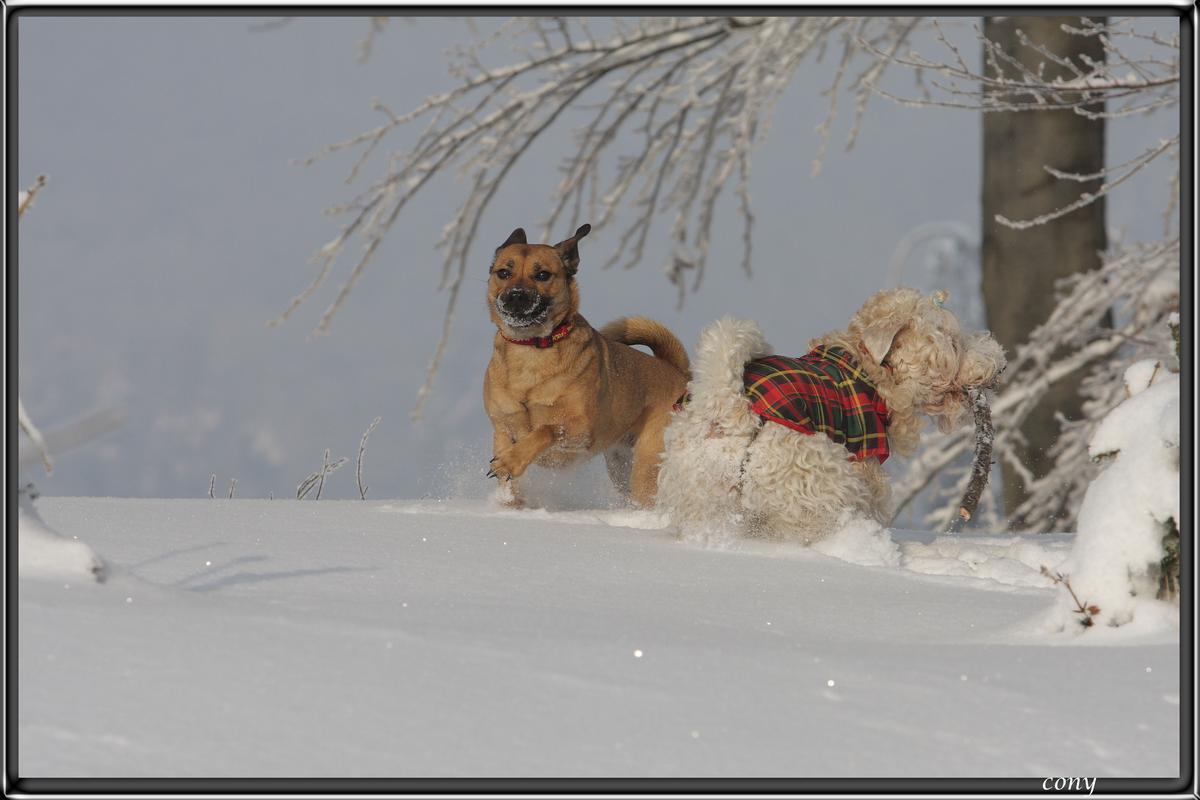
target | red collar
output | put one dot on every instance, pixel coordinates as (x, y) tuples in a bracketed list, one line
[(542, 342)]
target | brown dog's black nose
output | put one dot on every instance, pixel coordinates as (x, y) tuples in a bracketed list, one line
[(518, 299)]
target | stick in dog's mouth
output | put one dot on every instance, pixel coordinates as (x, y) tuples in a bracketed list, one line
[(981, 465), (536, 316)]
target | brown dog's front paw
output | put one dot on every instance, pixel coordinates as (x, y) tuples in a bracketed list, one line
[(508, 496), (507, 465)]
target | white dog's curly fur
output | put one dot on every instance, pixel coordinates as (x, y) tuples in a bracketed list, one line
[(725, 471)]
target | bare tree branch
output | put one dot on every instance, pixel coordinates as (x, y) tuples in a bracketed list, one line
[(686, 100), (24, 201), (1121, 85), (25, 198), (35, 436)]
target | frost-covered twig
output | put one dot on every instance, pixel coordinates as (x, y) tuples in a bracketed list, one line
[(1097, 87), (326, 469), (317, 479), (1087, 610), (377, 24), (1087, 198), (212, 485), (362, 448), (232, 487), (35, 436), (270, 25), (25, 198), (306, 485), (75, 433)]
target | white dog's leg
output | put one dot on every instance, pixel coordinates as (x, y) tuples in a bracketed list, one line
[(698, 480), (878, 499), (803, 487)]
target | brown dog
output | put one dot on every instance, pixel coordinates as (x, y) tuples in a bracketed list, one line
[(557, 390)]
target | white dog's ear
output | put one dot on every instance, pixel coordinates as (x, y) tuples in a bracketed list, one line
[(879, 335), (882, 317)]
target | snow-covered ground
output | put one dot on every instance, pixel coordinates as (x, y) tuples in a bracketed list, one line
[(427, 638)]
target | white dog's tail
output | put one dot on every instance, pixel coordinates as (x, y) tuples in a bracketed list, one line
[(721, 355), (705, 443)]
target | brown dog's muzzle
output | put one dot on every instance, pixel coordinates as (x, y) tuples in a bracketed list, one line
[(518, 300), (520, 306)]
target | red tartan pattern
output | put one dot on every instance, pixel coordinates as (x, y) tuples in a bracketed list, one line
[(824, 391)]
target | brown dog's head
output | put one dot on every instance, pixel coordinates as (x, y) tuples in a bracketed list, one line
[(928, 362), (531, 287)]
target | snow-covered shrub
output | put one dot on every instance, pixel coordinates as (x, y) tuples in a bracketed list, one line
[(44, 553), (1126, 551)]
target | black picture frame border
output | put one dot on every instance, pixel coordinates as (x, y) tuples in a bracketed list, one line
[(1183, 785)]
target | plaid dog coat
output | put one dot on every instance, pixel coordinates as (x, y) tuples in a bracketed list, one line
[(824, 391)]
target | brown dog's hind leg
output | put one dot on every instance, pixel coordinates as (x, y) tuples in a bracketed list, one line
[(643, 483), (619, 461)]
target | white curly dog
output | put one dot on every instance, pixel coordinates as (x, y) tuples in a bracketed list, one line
[(726, 469)]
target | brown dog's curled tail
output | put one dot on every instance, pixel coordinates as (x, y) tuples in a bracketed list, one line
[(655, 335)]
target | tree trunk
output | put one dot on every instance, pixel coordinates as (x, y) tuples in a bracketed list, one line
[(1020, 267)]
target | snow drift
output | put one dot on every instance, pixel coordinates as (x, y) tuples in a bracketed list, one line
[(444, 638)]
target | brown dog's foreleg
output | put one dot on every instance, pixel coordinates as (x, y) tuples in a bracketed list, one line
[(643, 483), (512, 460), (509, 493)]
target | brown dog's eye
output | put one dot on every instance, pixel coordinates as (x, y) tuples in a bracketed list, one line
[(503, 274), (542, 275)]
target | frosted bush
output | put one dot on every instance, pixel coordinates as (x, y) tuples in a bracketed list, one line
[(1129, 513)]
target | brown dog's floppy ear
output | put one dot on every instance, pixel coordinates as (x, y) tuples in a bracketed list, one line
[(568, 249), (516, 237)]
